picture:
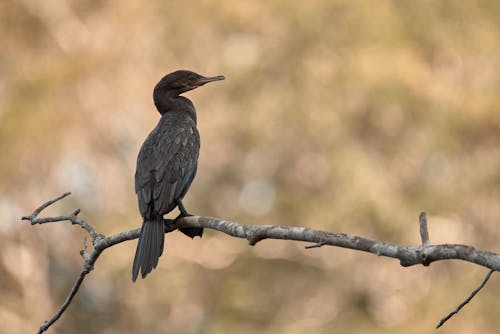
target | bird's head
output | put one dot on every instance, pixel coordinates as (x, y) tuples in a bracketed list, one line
[(182, 81)]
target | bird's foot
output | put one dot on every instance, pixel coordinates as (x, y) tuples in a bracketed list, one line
[(169, 224), (189, 231), (182, 209)]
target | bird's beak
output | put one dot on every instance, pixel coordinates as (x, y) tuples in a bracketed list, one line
[(204, 80)]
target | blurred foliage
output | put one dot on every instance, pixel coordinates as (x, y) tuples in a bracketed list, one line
[(348, 116)]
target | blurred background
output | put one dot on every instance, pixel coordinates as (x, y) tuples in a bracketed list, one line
[(346, 116)]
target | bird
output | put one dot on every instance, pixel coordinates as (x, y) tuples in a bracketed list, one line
[(166, 165)]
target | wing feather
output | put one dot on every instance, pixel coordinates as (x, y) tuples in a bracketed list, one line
[(166, 164)]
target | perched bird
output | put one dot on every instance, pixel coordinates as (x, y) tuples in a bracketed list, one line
[(166, 165)]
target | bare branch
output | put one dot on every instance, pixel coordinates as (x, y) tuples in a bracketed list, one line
[(45, 205), (33, 218), (87, 267), (407, 255), (459, 307)]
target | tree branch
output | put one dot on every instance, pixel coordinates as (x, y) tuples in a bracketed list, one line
[(465, 302), (33, 218), (407, 255)]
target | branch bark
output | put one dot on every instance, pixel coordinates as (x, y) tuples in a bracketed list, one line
[(424, 254)]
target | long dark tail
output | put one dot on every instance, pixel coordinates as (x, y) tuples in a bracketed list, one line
[(149, 247)]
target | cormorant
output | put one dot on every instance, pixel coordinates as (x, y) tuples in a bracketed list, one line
[(166, 165)]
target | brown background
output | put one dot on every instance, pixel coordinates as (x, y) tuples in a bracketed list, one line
[(348, 116)]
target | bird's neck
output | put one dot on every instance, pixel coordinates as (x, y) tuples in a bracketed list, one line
[(176, 104)]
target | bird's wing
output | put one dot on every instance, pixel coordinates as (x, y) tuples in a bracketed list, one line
[(166, 165)]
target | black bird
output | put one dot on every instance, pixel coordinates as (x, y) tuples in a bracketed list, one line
[(166, 165)]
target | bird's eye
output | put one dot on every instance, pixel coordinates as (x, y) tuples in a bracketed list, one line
[(192, 79)]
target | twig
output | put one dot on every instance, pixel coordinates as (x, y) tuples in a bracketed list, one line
[(47, 323), (33, 218), (318, 245), (45, 205), (407, 255), (424, 233), (465, 302)]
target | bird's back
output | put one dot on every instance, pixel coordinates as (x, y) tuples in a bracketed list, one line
[(167, 163)]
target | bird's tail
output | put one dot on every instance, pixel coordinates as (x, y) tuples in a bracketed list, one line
[(149, 247)]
